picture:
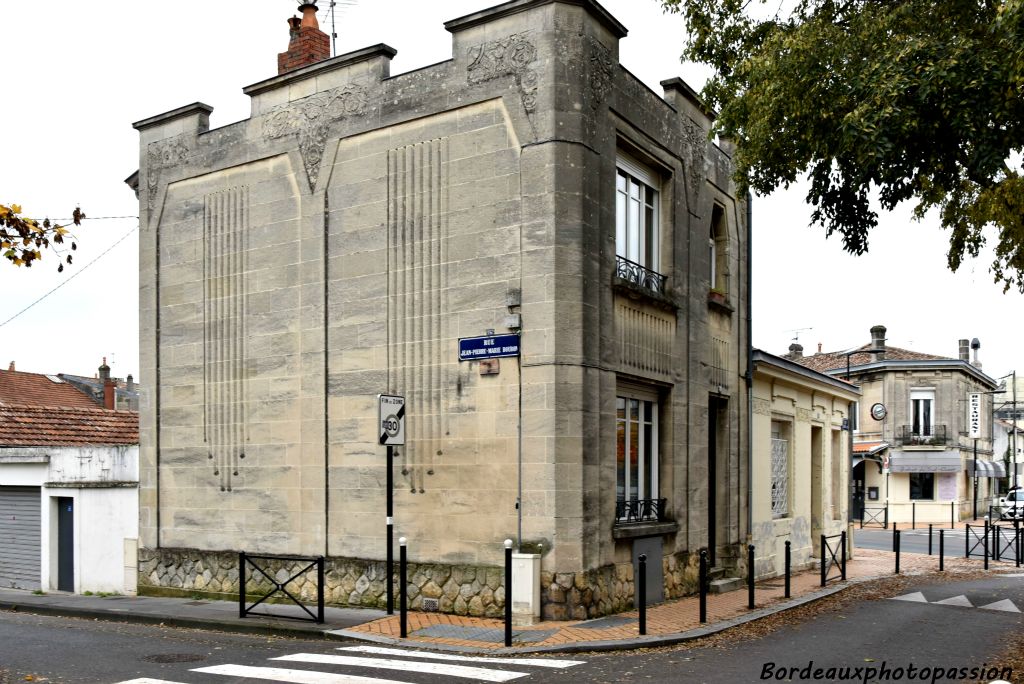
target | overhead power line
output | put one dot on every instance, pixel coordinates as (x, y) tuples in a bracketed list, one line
[(73, 275)]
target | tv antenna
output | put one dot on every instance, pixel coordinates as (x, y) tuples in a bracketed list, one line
[(334, 28), (796, 333)]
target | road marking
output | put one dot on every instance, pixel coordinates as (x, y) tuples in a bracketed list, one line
[(280, 674), (147, 680), (477, 673), (917, 597), (960, 600), (1006, 605), (535, 662)]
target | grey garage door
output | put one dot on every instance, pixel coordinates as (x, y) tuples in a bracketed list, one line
[(19, 537)]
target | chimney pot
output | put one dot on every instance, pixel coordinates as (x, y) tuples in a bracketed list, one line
[(307, 44), (796, 351), (11, 367), (878, 341), (965, 353)]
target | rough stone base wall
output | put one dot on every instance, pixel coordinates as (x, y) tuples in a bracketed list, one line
[(459, 589)]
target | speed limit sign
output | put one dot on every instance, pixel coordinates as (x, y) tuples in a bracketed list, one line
[(391, 419)]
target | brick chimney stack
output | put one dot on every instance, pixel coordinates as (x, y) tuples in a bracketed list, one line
[(878, 342), (307, 44), (109, 386)]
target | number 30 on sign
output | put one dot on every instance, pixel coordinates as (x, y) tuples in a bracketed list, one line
[(390, 419)]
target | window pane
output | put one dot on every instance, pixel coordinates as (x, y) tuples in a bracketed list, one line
[(620, 454), (917, 416), (926, 417), (649, 462), (620, 222), (633, 232), (634, 449), (650, 238)]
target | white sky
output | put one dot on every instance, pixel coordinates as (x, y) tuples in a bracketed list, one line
[(77, 74)]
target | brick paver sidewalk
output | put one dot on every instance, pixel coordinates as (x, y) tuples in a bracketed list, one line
[(668, 618)]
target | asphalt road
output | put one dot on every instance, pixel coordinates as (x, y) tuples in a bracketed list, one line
[(964, 632), (916, 541)]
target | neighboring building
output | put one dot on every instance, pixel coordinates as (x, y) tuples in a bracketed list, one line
[(801, 456), (1008, 438), (125, 396), (68, 488), (340, 241), (912, 449), (1009, 403)]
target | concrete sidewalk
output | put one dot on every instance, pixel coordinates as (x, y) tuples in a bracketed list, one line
[(277, 619), (667, 623)]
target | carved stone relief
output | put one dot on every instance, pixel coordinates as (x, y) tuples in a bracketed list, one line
[(601, 66), (697, 144), (311, 118), (762, 407), (162, 155), (513, 56), (803, 415)]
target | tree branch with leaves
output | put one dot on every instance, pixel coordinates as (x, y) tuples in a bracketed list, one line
[(877, 102), (23, 239)]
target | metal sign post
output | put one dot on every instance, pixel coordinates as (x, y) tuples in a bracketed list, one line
[(391, 429)]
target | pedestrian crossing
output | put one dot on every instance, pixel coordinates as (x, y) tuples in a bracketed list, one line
[(390, 660)]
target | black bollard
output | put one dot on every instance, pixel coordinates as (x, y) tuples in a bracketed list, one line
[(913, 515), (897, 542), (967, 540), (822, 568), (403, 613), (842, 565), (942, 549), (929, 539), (642, 591), (508, 592), (894, 533), (986, 544), (952, 516), (750, 576), (787, 566), (703, 580), (320, 590), (241, 584)]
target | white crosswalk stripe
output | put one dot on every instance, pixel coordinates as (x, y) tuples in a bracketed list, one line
[(280, 674), (477, 673), (413, 662), (434, 655)]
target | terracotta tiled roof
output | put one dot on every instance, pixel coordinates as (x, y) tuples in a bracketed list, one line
[(868, 447), (53, 426), (827, 361), (34, 389)]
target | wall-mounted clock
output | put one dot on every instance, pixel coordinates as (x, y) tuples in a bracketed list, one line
[(878, 411)]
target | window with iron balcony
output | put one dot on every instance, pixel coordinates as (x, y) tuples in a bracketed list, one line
[(637, 229)]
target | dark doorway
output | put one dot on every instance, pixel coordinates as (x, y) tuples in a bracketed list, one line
[(65, 544), (857, 487), (712, 478)]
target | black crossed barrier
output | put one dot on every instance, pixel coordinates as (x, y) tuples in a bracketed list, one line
[(1006, 544), (875, 516), (246, 560), (833, 558)]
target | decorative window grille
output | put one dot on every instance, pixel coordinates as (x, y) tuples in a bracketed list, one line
[(780, 478)]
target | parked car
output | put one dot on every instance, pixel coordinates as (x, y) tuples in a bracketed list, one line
[(1011, 506)]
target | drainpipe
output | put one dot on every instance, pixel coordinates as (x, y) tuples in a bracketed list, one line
[(750, 371)]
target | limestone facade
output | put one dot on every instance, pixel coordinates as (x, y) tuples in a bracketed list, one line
[(338, 243)]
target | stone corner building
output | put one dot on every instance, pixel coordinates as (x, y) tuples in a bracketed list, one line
[(339, 242)]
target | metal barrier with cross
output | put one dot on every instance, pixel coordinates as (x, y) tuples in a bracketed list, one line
[(975, 541), (833, 557), (245, 559), (1004, 543), (875, 516)]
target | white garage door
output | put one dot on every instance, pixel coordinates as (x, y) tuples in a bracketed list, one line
[(19, 537)]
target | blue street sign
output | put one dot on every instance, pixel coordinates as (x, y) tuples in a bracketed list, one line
[(488, 347)]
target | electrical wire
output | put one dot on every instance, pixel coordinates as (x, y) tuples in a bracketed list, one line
[(73, 276)]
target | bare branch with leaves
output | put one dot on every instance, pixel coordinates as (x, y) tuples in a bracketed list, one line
[(23, 239)]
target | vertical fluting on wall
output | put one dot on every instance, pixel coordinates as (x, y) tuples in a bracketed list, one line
[(225, 293), (417, 300)]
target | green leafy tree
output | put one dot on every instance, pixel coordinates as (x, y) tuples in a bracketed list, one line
[(23, 239), (919, 100)]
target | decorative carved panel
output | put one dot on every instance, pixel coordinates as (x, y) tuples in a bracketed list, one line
[(514, 56), (225, 293), (645, 338)]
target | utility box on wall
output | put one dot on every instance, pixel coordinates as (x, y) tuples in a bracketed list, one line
[(525, 589)]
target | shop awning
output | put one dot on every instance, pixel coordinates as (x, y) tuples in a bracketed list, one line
[(986, 468), (925, 462)]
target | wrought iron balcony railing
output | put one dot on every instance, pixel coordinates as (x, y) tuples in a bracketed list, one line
[(638, 275), (640, 510), (926, 435)]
